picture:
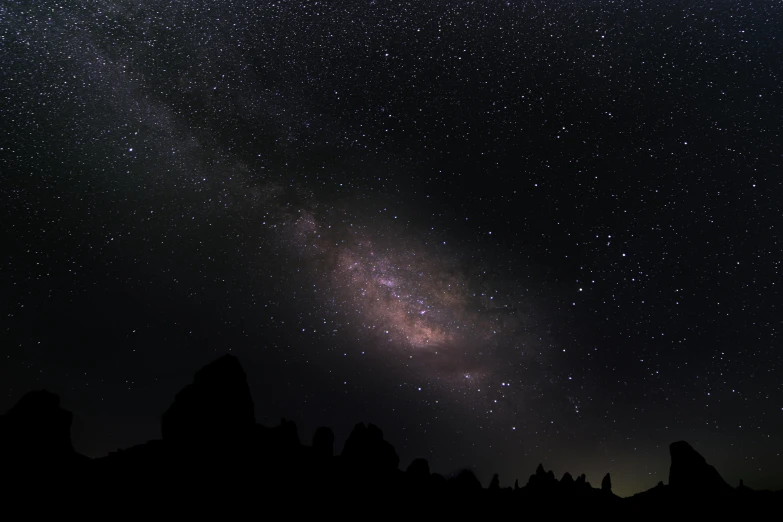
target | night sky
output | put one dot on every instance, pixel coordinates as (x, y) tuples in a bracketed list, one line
[(507, 232)]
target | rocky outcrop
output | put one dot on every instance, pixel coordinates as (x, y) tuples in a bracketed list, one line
[(419, 469), (690, 473), (216, 407), (465, 482), (606, 483), (212, 446), (36, 429), (366, 448)]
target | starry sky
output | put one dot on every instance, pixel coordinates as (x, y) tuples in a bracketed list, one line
[(507, 232)]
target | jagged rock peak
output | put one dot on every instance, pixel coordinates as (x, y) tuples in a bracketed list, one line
[(689, 471), (217, 405), (366, 447)]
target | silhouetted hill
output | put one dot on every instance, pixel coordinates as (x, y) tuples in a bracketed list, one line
[(212, 450)]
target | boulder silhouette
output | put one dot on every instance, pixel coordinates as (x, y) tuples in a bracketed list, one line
[(419, 469), (690, 473), (36, 429), (217, 407), (567, 479)]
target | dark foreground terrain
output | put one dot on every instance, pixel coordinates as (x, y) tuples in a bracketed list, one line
[(213, 455)]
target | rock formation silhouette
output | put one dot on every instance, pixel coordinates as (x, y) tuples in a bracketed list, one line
[(419, 468), (323, 443), (606, 483), (213, 449), (690, 474), (465, 482), (36, 430), (366, 448), (215, 409)]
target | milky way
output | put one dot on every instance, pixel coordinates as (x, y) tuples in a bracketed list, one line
[(505, 231), (400, 291)]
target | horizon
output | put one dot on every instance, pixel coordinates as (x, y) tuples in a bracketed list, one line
[(618, 485)]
